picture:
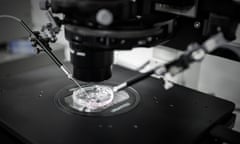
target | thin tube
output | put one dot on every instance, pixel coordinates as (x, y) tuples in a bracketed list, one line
[(49, 53)]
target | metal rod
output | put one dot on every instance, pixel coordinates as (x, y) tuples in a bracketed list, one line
[(135, 80), (195, 53), (47, 50)]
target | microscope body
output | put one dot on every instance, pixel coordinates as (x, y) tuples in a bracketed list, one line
[(96, 28)]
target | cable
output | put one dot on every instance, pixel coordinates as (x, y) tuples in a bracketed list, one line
[(44, 47), (11, 17)]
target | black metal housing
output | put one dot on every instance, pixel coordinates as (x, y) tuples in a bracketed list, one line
[(135, 24)]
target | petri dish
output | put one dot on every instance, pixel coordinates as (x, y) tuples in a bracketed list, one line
[(92, 98)]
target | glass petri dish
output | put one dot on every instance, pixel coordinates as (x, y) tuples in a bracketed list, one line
[(92, 98), (67, 100)]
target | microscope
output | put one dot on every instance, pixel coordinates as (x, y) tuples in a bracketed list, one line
[(95, 28), (133, 111)]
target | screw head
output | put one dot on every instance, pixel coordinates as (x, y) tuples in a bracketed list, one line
[(104, 17), (197, 25)]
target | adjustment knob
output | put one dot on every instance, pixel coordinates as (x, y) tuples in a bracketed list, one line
[(44, 4), (104, 17)]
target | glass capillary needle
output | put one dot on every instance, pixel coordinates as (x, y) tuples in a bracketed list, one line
[(46, 49)]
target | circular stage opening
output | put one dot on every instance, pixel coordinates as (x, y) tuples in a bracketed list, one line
[(99, 100)]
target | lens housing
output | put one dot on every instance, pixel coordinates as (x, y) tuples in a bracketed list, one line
[(89, 65)]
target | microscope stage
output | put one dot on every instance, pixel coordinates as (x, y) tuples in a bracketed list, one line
[(28, 110)]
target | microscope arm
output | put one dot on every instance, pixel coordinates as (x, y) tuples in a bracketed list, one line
[(195, 53)]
